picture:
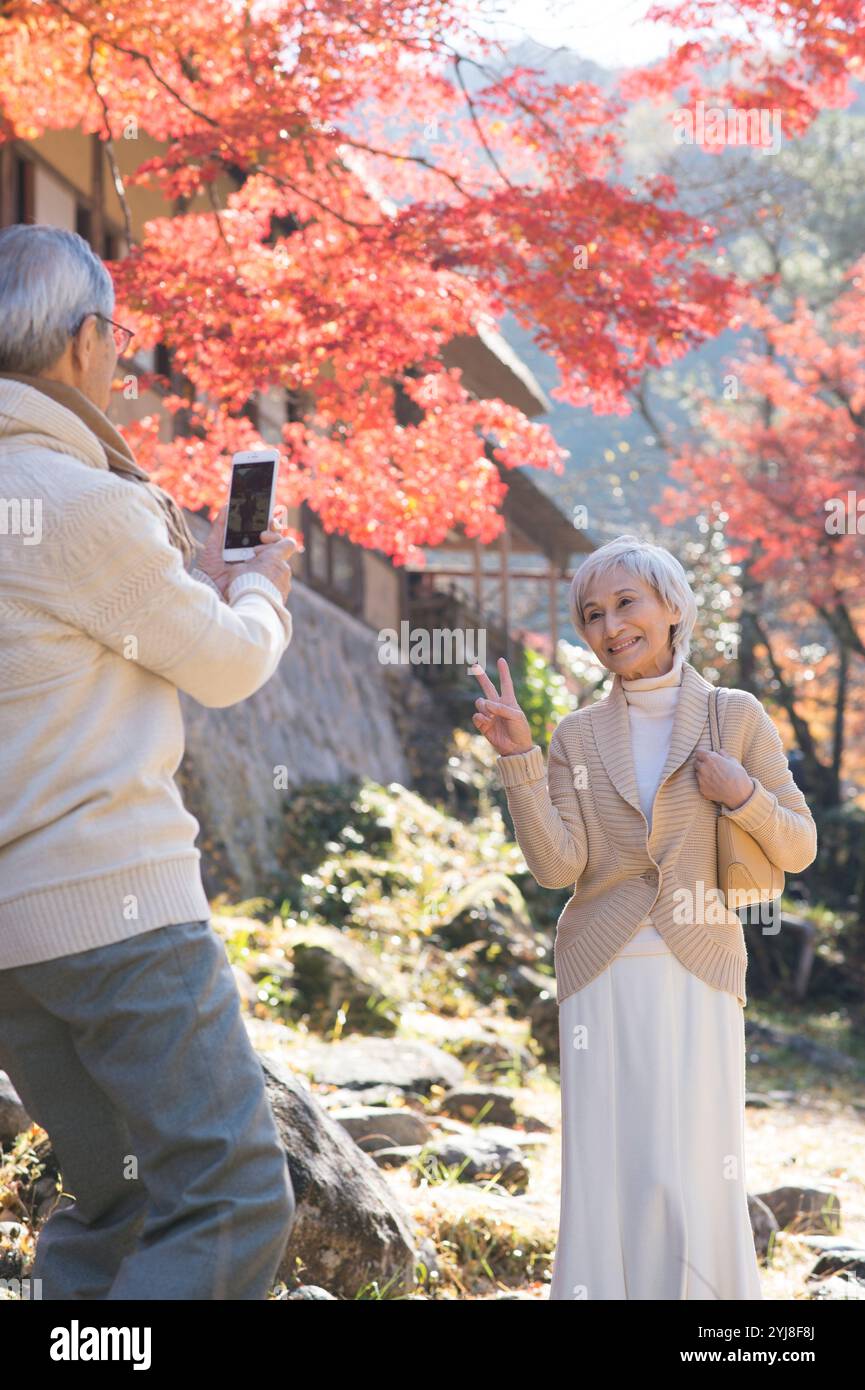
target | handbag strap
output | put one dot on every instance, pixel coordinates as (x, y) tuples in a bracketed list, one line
[(714, 729), (714, 733)]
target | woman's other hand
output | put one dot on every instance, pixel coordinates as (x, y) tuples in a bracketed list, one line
[(721, 777), (499, 717)]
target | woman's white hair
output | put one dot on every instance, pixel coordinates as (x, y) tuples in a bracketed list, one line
[(50, 279), (651, 563)]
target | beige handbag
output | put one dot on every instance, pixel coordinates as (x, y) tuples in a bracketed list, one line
[(745, 876)]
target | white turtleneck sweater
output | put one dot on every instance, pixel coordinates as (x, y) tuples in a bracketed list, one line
[(651, 708)]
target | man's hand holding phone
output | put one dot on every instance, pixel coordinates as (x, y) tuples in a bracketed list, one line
[(272, 558), (230, 549)]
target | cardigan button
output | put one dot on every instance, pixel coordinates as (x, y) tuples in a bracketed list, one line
[(650, 875)]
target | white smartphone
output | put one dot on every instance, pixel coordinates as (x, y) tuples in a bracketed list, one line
[(250, 502)]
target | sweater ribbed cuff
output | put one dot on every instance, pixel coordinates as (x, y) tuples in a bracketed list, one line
[(517, 768), (755, 811), (206, 579), (254, 583)]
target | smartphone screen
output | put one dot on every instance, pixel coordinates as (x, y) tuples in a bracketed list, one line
[(249, 504)]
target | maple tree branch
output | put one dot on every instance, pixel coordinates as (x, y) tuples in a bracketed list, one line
[(785, 694), (184, 63), (414, 158), (840, 710), (283, 182), (209, 120), (447, 47), (211, 193), (822, 777), (498, 83), (280, 180), (134, 53), (857, 417), (648, 414), (839, 621), (419, 159), (119, 186), (476, 123)]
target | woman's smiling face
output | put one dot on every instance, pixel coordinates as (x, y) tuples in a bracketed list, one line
[(624, 609)]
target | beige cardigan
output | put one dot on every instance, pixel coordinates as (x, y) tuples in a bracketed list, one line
[(581, 825)]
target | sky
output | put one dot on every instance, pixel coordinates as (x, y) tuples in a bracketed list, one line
[(609, 31)]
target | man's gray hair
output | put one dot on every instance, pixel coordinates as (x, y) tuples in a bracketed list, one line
[(49, 280), (651, 563)]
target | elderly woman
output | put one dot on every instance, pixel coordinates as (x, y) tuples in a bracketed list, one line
[(650, 964), (120, 1022)]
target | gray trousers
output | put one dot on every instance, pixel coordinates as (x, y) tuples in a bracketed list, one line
[(135, 1059)]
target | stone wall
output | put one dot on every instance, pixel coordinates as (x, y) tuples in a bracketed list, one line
[(325, 715), (331, 712)]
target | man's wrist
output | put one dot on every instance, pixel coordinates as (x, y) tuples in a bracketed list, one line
[(204, 578)]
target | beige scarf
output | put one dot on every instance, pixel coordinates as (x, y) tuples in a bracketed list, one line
[(118, 453)]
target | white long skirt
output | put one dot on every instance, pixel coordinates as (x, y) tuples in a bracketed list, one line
[(653, 1202)]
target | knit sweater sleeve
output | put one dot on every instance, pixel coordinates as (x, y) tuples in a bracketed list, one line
[(205, 579), (776, 813), (262, 584), (125, 585), (548, 820)]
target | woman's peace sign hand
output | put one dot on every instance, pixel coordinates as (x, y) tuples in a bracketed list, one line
[(499, 717)]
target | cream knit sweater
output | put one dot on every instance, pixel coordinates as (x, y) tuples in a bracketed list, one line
[(100, 627), (580, 824)]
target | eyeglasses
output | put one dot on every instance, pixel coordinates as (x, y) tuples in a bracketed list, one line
[(122, 336)]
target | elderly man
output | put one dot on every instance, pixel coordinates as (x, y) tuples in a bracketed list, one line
[(120, 1022)]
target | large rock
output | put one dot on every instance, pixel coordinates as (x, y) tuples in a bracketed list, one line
[(372, 1096), (348, 1228), (493, 1104), (537, 995), (804, 1210), (13, 1116), (361, 1063), (763, 1224), (331, 970), (838, 1288), (310, 1293), (379, 1127), (851, 1263), (490, 1056), (477, 1157)]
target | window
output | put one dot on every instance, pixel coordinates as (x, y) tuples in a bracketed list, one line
[(25, 190), (252, 411), (84, 222), (316, 543), (17, 188), (163, 360), (331, 564), (342, 563)]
